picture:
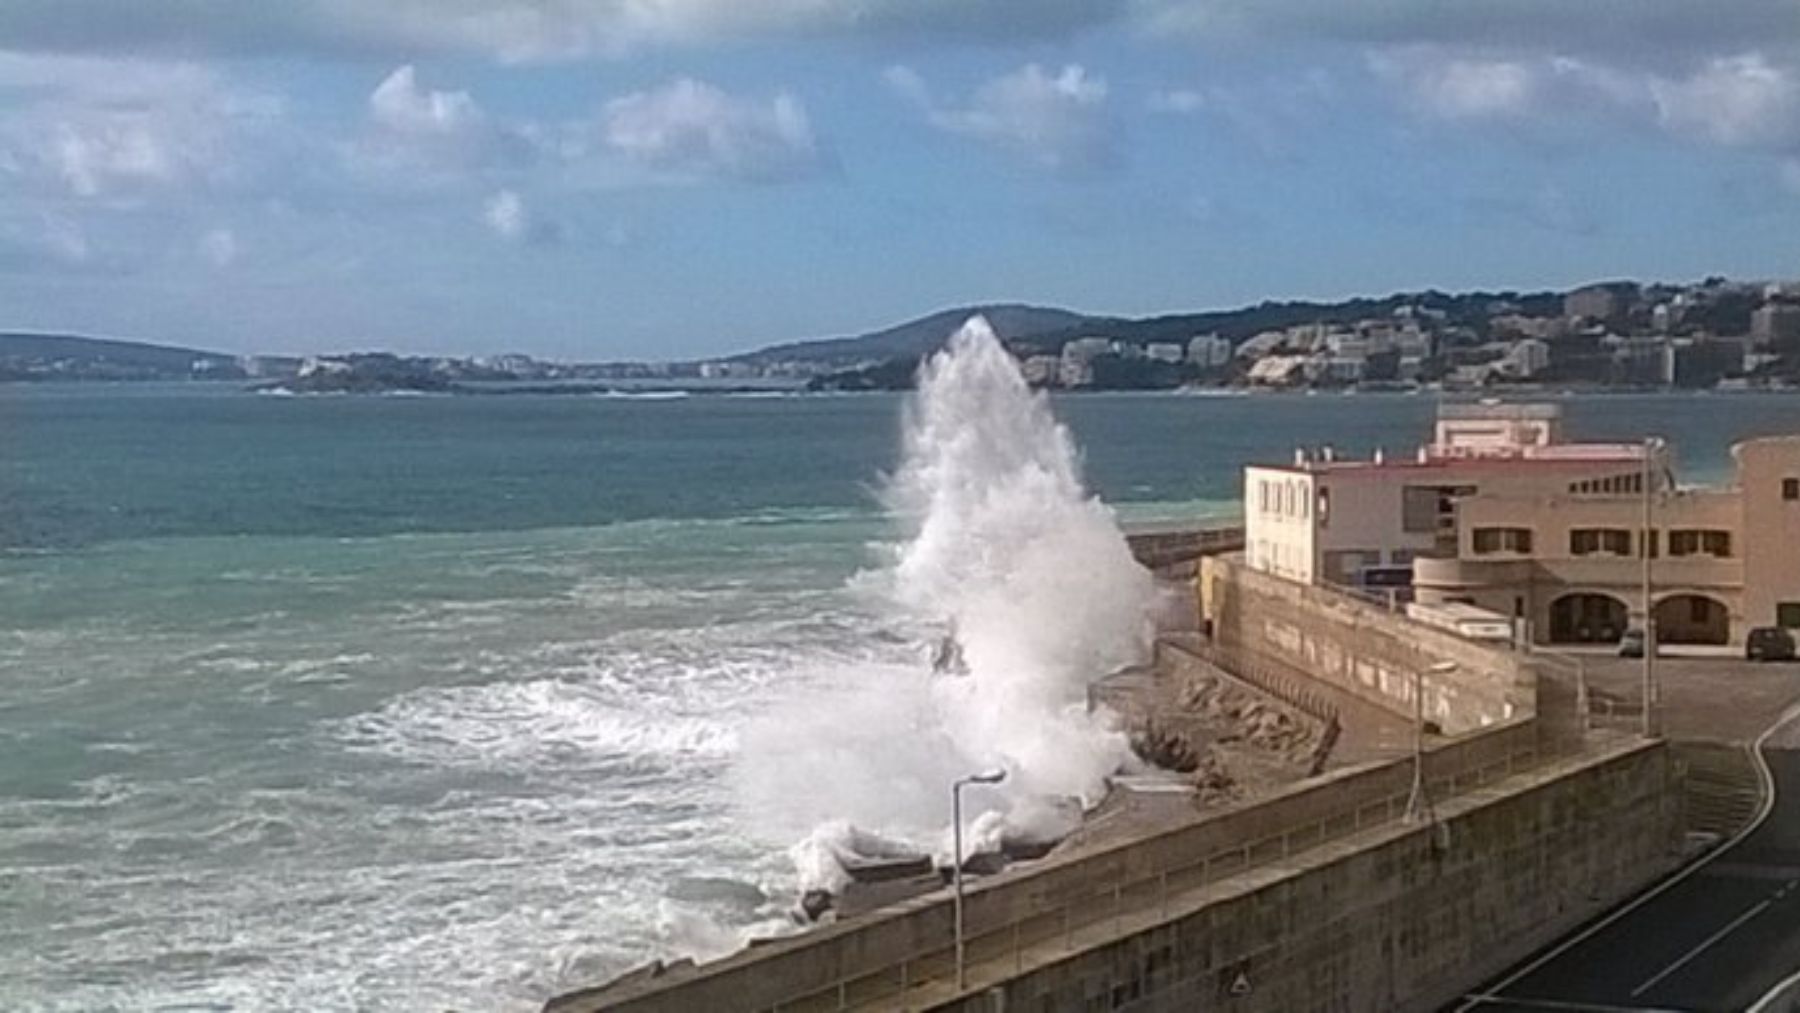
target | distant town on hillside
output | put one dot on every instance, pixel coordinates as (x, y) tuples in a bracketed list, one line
[(1716, 333)]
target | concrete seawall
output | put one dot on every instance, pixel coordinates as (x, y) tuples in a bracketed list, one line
[(1363, 649), (1404, 917), (892, 958)]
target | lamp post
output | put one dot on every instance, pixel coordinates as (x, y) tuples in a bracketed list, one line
[(1418, 807), (990, 777), (1646, 542)]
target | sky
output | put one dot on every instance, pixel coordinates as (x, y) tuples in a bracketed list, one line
[(660, 179)]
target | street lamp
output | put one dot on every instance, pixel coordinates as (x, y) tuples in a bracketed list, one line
[(1418, 807), (1647, 539), (990, 777)]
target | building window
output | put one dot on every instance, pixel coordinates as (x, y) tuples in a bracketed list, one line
[(1419, 509), (1324, 506), (1788, 614), (1652, 542), (1612, 486), (1492, 540), (1790, 488), (1696, 542), (1594, 541)]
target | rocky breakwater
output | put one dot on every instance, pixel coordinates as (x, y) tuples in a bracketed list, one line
[(1225, 738)]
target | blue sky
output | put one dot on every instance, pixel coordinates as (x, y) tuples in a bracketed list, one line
[(598, 179)]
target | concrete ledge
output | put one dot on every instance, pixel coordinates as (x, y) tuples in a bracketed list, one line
[(1400, 917)]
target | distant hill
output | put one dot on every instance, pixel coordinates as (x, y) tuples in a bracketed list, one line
[(30, 356), (1465, 308), (919, 337)]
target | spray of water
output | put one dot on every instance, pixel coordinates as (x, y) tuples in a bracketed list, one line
[(1004, 546)]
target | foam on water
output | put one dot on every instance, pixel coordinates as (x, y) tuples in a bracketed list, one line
[(523, 724)]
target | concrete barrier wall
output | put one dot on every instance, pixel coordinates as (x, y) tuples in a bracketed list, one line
[(1402, 924), (878, 944), (1362, 648), (1175, 552)]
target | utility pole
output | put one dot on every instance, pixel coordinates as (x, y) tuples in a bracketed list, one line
[(1418, 803), (956, 873), (1645, 541)]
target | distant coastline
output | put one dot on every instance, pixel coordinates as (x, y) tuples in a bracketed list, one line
[(1616, 335)]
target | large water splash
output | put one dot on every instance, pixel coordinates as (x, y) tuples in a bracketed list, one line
[(1005, 546)]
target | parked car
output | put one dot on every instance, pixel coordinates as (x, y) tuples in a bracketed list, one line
[(1769, 643), (1631, 644)]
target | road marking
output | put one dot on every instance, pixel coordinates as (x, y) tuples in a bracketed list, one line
[(1573, 1007), (1767, 1003), (1763, 774), (1705, 944)]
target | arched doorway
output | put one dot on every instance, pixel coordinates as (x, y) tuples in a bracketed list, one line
[(1587, 619), (1692, 619)]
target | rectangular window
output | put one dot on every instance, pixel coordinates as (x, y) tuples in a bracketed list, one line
[(1790, 488), (1324, 506), (1788, 614), (1651, 543), (1419, 509), (1492, 540), (1599, 541), (1696, 542)]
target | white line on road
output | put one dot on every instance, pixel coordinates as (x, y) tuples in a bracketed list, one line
[(1763, 774), (1705, 944), (1767, 1003), (1572, 1007)]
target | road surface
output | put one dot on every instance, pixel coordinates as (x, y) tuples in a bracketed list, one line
[(1717, 938)]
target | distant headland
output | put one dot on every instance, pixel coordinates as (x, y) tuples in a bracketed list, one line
[(1715, 333)]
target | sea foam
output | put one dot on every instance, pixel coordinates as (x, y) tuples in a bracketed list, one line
[(1003, 545)]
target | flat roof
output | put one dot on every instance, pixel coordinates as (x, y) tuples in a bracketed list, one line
[(1557, 456), (1461, 410)]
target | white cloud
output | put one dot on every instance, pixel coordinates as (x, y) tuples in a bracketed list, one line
[(1455, 85), (517, 30), (399, 104), (506, 214), (430, 132), (99, 128), (1624, 28), (1745, 100), (906, 83), (1741, 100), (691, 129), (1057, 121), (219, 247)]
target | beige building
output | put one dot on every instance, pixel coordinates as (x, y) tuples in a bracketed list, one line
[(1570, 561), (1498, 512), (1326, 519)]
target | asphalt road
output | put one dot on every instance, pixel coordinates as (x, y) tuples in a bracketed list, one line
[(1717, 939)]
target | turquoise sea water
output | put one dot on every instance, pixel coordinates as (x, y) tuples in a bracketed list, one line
[(429, 703)]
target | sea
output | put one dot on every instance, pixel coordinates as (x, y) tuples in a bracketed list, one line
[(447, 703)]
